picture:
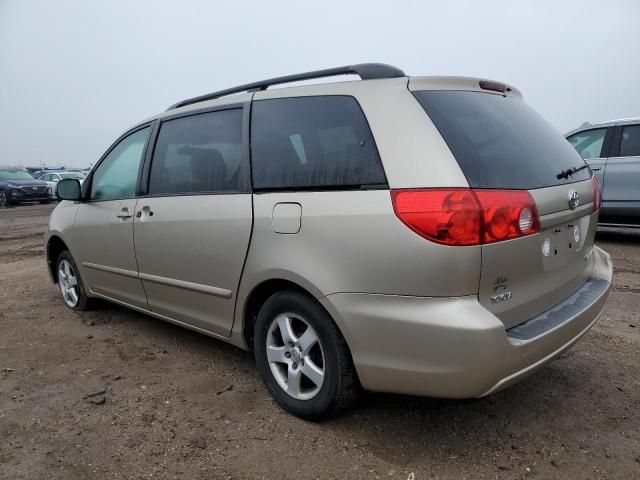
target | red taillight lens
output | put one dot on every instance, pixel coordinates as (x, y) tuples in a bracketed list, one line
[(462, 216), (507, 214), (597, 193), (450, 216)]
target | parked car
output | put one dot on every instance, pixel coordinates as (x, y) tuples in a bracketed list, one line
[(418, 235), (38, 173), (52, 178), (17, 186), (612, 150)]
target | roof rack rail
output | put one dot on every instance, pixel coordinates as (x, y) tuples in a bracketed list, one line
[(366, 71)]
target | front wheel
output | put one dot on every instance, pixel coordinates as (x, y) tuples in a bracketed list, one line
[(302, 357), (4, 201), (70, 283)]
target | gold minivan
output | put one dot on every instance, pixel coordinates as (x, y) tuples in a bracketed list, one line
[(419, 235)]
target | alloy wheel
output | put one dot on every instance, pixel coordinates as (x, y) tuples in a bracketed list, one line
[(68, 282), (295, 356)]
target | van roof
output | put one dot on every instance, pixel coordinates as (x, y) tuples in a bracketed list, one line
[(369, 73), (366, 71)]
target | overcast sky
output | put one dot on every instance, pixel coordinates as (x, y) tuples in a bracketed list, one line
[(75, 74)]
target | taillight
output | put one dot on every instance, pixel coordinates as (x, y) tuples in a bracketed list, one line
[(597, 193), (448, 216), (507, 214), (461, 216)]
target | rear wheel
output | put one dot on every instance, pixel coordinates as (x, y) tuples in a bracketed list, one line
[(70, 283), (303, 359)]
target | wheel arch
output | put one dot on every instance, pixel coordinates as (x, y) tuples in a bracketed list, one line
[(55, 246), (256, 298), (261, 292)]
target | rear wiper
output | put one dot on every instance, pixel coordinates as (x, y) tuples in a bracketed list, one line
[(570, 171)]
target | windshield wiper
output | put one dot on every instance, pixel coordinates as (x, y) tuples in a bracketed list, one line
[(570, 171)]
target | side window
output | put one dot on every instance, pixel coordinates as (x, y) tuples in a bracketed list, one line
[(312, 142), (199, 154), (588, 143), (47, 177), (116, 176), (630, 144)]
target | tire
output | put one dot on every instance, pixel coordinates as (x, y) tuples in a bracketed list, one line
[(4, 201), (78, 301), (291, 373)]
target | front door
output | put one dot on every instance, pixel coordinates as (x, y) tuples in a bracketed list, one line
[(192, 229), (103, 233)]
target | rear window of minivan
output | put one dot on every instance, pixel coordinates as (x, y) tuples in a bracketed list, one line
[(499, 141)]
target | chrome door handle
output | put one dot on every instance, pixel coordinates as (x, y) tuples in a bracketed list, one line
[(144, 213), (124, 214)]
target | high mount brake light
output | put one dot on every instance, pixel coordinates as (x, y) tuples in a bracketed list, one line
[(597, 193), (494, 86), (462, 216)]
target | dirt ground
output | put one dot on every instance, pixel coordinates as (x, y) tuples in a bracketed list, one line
[(170, 403)]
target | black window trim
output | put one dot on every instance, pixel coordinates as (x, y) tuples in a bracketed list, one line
[(606, 145), (326, 188), (88, 183), (614, 151), (145, 177)]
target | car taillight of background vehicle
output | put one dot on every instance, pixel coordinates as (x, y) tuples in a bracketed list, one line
[(463, 216), (597, 193)]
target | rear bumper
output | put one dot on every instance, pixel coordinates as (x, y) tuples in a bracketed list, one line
[(454, 347)]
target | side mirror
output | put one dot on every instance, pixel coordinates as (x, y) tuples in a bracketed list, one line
[(69, 189)]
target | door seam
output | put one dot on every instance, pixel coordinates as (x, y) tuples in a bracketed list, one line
[(135, 253)]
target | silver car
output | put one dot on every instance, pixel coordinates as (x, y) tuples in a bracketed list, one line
[(419, 235), (52, 178), (612, 150)]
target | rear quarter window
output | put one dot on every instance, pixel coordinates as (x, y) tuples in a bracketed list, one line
[(312, 143), (499, 141)]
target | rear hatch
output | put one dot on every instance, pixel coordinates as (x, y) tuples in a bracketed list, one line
[(502, 144)]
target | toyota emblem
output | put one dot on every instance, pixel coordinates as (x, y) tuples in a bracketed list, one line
[(574, 199)]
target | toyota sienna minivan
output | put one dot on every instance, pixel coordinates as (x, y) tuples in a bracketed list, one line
[(418, 235)]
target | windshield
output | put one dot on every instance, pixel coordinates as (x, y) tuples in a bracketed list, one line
[(14, 175), (500, 142)]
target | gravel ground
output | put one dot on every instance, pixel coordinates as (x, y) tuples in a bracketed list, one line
[(114, 394)]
